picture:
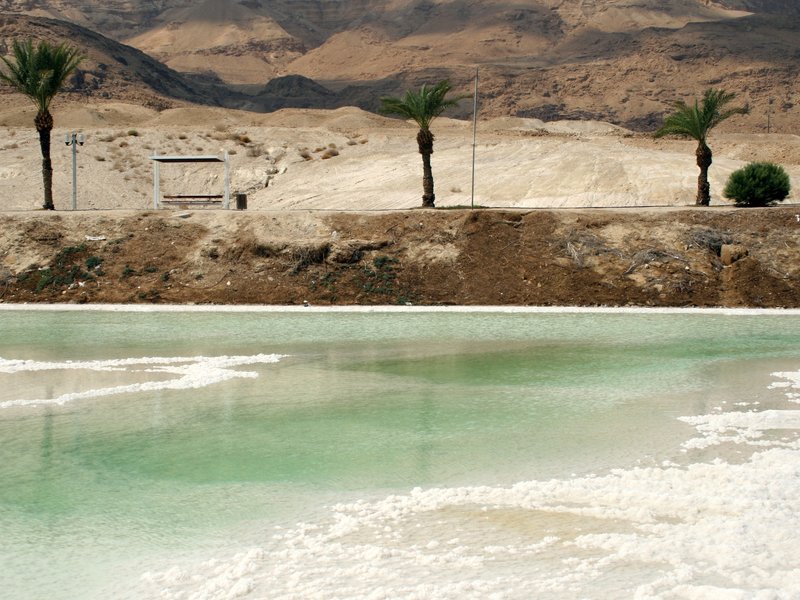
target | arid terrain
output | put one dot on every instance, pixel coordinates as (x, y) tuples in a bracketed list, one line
[(575, 202), (349, 159), (611, 257), (567, 212), (618, 61)]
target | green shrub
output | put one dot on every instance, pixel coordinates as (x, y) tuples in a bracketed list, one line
[(93, 262), (758, 184)]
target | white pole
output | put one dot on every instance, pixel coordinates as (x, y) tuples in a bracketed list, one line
[(74, 143), (156, 181), (73, 139), (474, 136), (227, 181)]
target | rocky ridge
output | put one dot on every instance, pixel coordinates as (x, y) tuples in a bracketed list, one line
[(622, 61)]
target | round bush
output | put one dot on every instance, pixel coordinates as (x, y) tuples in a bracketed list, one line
[(758, 184)]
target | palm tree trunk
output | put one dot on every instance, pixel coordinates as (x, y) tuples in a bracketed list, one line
[(703, 154), (428, 197), (425, 143), (44, 125)]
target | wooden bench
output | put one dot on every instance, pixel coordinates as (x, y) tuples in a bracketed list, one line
[(193, 199)]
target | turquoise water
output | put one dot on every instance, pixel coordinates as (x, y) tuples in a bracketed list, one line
[(100, 490)]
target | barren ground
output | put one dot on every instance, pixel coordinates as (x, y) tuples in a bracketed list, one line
[(343, 230), (348, 159), (616, 257)]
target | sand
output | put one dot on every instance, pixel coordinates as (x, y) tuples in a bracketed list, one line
[(348, 159)]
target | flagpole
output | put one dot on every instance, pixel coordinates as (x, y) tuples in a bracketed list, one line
[(474, 136)]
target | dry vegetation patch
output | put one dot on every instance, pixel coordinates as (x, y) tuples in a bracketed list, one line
[(544, 257)]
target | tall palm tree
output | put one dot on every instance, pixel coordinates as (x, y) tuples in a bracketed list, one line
[(423, 107), (39, 73), (696, 122)]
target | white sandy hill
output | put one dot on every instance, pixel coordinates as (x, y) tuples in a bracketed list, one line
[(353, 160)]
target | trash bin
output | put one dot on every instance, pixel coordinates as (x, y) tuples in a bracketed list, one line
[(241, 201)]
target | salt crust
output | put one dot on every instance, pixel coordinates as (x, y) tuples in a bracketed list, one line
[(709, 530), (192, 372)]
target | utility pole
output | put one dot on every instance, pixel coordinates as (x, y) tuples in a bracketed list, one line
[(474, 136), (74, 139)]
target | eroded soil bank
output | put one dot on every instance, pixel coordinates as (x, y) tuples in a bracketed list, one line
[(667, 257)]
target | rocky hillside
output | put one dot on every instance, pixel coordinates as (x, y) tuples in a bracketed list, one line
[(111, 70), (621, 61)]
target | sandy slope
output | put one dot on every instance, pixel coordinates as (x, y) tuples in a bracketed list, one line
[(277, 159)]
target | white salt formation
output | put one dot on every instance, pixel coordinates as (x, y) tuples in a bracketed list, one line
[(194, 372), (715, 528)]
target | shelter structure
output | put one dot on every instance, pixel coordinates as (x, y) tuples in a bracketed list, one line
[(189, 197)]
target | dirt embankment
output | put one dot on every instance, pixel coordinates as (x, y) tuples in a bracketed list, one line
[(677, 257)]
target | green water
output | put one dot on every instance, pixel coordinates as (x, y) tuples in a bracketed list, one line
[(103, 489)]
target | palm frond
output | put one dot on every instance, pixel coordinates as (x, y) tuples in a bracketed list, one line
[(422, 106), (697, 120), (40, 72)]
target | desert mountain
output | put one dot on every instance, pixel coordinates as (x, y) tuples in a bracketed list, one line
[(621, 61), (110, 70), (115, 71)]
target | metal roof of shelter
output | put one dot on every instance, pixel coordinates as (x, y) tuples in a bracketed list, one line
[(188, 159)]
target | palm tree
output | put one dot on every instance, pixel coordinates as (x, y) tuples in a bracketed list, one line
[(40, 73), (423, 107), (696, 122)]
